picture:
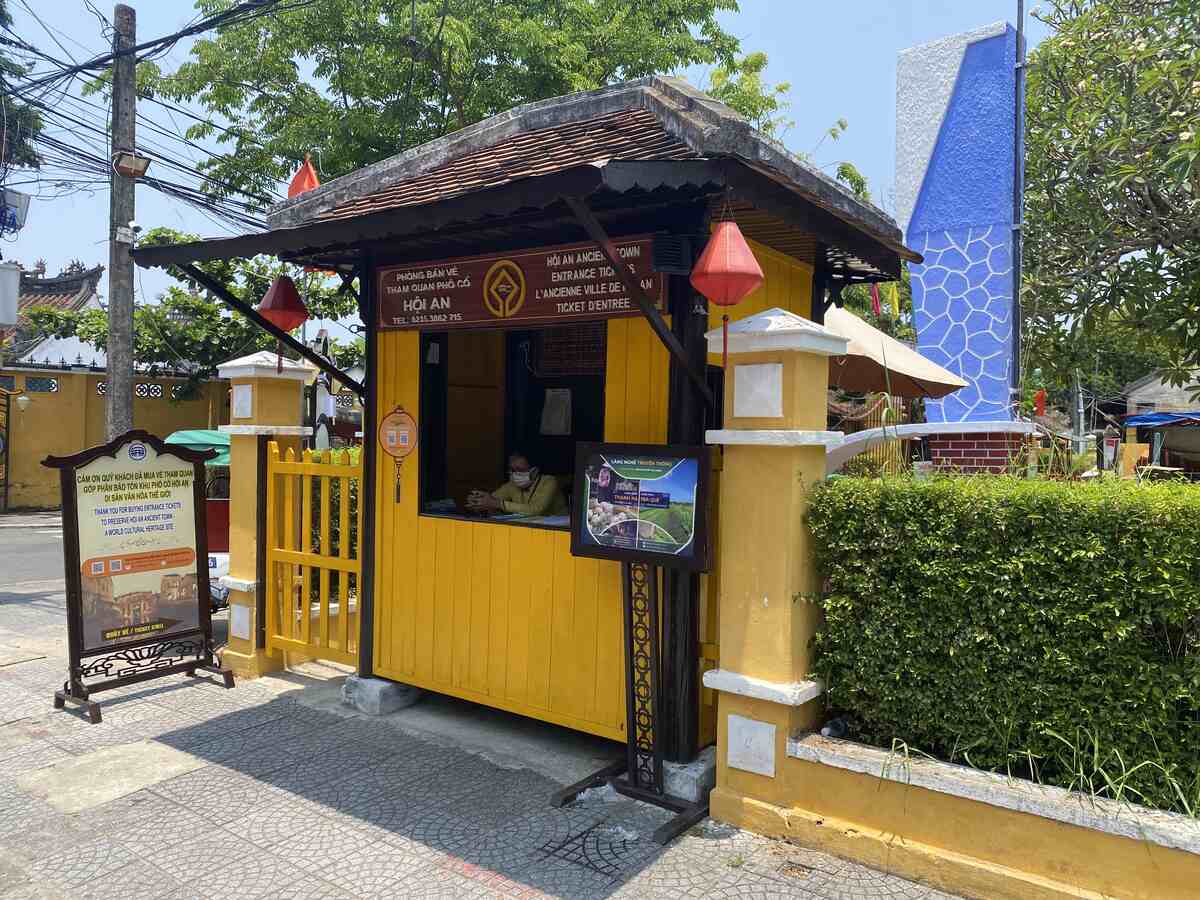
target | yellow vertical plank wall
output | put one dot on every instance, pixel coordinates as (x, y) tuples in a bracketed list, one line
[(504, 615), (499, 614)]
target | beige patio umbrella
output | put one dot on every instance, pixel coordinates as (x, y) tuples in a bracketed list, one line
[(877, 362)]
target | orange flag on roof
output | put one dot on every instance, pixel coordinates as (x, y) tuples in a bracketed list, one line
[(304, 180)]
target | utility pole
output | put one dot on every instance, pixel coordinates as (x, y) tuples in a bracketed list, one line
[(1080, 446), (119, 395)]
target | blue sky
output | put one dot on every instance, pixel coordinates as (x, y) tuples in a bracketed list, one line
[(840, 59)]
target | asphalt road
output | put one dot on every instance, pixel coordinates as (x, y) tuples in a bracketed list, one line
[(32, 585), (30, 548)]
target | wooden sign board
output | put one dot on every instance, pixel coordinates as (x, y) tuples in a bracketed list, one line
[(135, 551), (551, 285), (642, 503)]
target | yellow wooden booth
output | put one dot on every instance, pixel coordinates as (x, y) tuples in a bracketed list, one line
[(500, 612)]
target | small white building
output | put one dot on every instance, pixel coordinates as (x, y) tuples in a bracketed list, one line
[(1152, 394)]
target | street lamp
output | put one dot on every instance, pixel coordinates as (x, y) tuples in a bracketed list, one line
[(23, 402), (130, 163)]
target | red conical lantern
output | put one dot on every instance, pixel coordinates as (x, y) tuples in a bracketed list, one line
[(284, 309), (727, 272), (304, 180), (282, 306)]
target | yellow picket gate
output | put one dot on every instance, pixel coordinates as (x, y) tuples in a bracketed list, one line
[(313, 568)]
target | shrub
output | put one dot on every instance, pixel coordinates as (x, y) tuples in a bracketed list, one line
[(1049, 630)]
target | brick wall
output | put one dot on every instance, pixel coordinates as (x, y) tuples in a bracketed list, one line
[(983, 452)]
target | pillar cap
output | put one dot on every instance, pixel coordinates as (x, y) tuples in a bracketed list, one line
[(778, 329), (263, 364)]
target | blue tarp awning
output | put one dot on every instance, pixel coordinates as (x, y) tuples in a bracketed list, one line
[(1164, 420), (203, 439)]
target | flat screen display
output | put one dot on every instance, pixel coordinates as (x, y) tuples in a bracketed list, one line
[(641, 503)]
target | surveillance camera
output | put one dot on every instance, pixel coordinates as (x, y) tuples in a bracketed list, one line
[(135, 227)]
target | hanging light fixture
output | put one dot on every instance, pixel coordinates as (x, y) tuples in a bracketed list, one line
[(726, 273), (130, 163), (284, 309)]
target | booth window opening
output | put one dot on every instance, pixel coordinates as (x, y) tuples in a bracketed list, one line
[(501, 414)]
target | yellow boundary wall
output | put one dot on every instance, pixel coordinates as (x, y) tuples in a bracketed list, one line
[(956, 844)]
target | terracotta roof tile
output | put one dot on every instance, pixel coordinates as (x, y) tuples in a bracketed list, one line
[(60, 301), (629, 134)]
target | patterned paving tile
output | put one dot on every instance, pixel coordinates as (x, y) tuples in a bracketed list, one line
[(97, 737), (81, 862), (218, 795), (855, 882), (138, 880), (277, 818), (144, 818), (31, 757), (44, 836), (377, 871), (318, 844), (19, 811), (310, 889)]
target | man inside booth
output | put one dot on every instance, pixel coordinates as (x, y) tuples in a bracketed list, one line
[(526, 493)]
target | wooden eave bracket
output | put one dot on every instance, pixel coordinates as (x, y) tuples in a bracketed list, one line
[(596, 232)]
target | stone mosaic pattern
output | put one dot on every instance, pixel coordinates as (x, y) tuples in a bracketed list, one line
[(300, 802), (962, 311), (955, 182)]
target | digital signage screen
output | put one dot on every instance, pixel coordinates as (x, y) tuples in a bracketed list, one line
[(641, 503)]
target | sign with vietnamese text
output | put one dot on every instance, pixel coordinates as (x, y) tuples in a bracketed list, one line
[(546, 286), (135, 553), (136, 516)]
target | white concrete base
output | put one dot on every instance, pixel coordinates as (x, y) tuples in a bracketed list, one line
[(377, 696), (790, 693), (692, 781)]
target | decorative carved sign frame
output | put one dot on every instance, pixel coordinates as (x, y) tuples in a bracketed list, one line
[(109, 659)]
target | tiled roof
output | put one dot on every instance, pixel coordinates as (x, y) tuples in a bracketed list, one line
[(65, 292), (627, 134), (62, 292)]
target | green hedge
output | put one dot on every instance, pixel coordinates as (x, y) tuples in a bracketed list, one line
[(1049, 630)]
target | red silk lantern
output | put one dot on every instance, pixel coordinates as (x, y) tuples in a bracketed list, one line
[(284, 309), (726, 272)]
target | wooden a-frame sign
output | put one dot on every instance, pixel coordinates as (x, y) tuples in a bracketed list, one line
[(135, 550)]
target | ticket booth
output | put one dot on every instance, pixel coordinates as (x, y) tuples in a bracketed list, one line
[(524, 285)]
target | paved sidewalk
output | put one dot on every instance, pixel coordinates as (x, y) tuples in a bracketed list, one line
[(187, 790)]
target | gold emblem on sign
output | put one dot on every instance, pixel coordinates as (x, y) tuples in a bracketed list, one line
[(504, 289)]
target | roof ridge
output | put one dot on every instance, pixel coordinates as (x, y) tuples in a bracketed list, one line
[(426, 157), (704, 125)]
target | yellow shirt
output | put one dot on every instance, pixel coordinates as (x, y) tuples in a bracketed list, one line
[(542, 498)]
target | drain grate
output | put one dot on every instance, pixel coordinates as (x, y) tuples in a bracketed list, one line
[(596, 848)]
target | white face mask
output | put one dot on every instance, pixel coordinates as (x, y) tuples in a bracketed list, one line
[(522, 479)]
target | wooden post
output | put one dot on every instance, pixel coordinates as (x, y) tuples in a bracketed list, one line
[(680, 708)]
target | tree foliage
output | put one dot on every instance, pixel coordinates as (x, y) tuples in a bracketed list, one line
[(21, 121), (740, 84), (1113, 184), (361, 82)]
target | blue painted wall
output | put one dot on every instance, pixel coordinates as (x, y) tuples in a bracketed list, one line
[(962, 225)]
